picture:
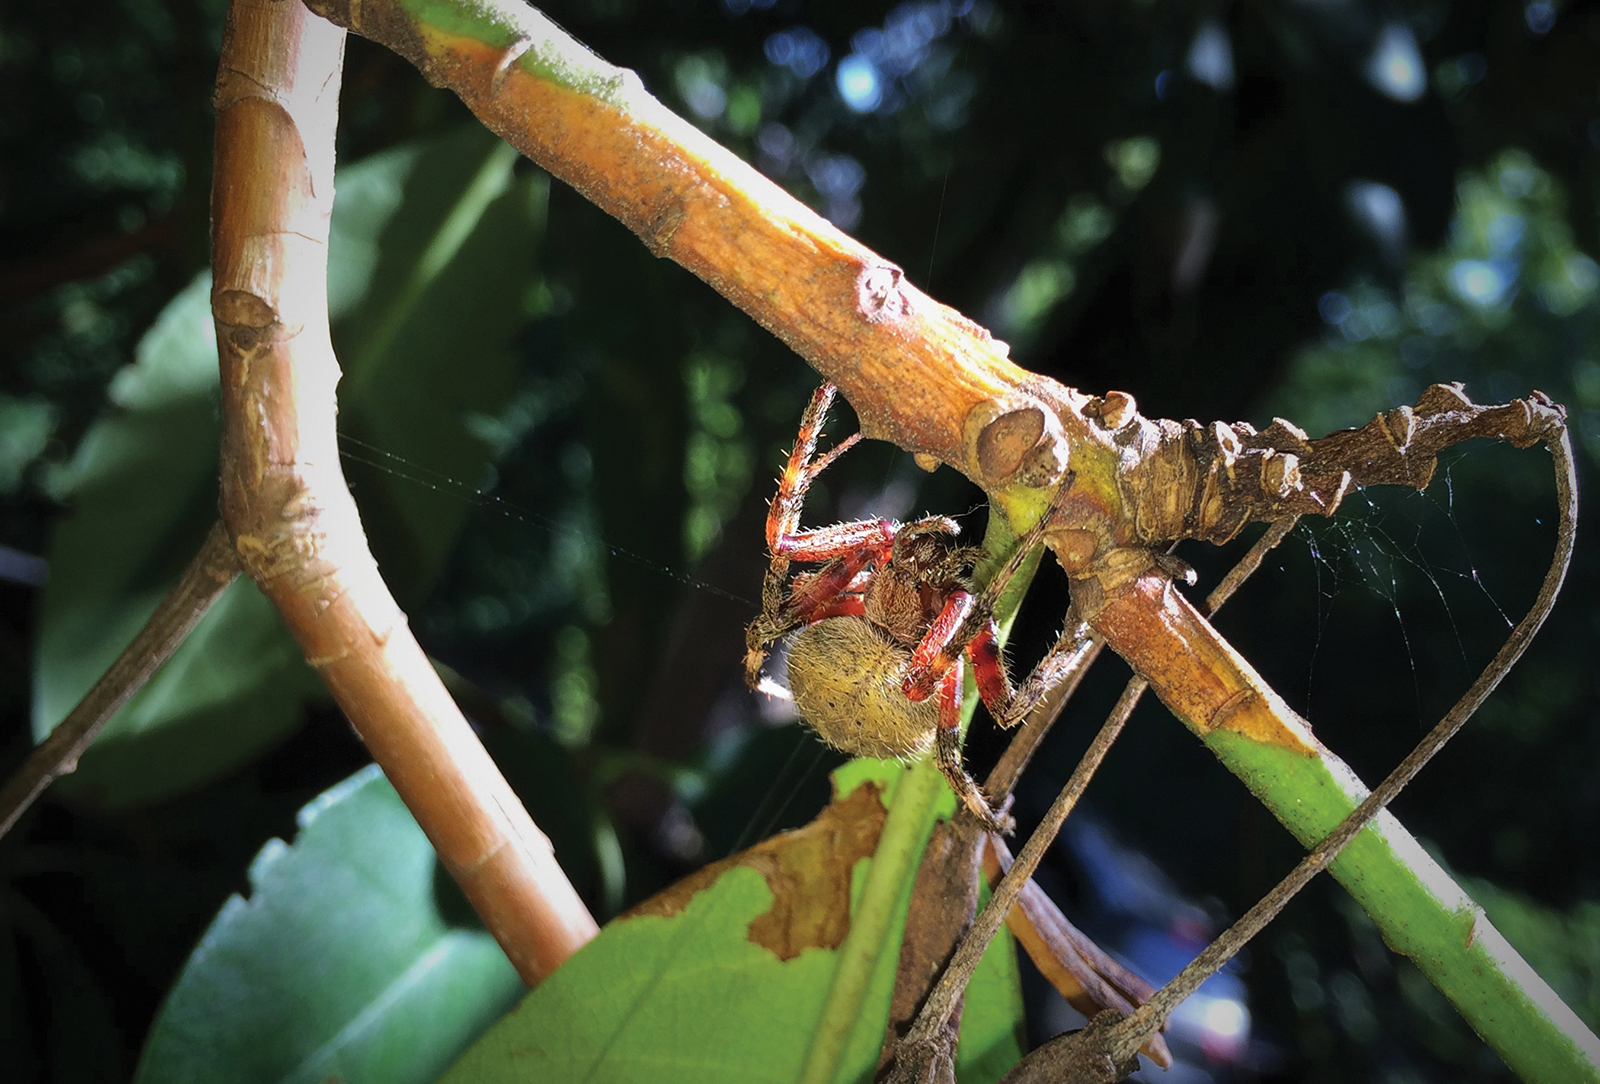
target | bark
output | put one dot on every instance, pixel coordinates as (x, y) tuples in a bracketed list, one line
[(292, 521)]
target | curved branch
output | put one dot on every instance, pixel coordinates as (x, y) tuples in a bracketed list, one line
[(293, 523)]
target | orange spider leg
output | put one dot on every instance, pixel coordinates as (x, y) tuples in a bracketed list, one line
[(950, 686), (933, 658), (994, 685), (783, 520), (947, 751), (827, 586), (826, 543)]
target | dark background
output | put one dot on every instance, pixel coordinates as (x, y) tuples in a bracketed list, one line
[(1232, 211)]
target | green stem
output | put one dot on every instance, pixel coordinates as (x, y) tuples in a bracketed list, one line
[(1422, 913), (905, 833)]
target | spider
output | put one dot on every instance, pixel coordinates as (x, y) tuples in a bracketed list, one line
[(884, 625)]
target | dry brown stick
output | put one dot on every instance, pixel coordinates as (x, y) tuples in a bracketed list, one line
[(922, 1044), (214, 567), (1153, 1013), (1090, 979), (1020, 751), (1002, 779), (293, 523)]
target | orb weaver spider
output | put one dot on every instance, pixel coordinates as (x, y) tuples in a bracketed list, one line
[(876, 666)]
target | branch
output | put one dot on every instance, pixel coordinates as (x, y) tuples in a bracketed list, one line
[(293, 523), (1420, 911), (917, 372), (925, 377), (214, 567), (1544, 1063)]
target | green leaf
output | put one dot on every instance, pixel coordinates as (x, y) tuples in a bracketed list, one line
[(340, 965), (698, 986), (432, 254)]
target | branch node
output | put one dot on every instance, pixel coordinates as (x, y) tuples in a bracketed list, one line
[(502, 67), (878, 294), (1016, 442)]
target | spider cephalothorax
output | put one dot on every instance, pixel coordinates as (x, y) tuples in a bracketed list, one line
[(884, 625)]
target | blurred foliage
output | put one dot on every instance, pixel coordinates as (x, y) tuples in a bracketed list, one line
[(1240, 210)]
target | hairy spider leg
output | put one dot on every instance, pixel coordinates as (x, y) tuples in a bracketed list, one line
[(1009, 705), (787, 542), (988, 668), (947, 752), (873, 536), (809, 599), (966, 624), (938, 652), (834, 581), (783, 518), (856, 586)]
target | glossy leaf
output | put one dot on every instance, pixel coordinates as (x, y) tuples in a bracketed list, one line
[(341, 964), (415, 230), (723, 978)]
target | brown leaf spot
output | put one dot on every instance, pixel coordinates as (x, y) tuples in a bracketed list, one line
[(807, 869)]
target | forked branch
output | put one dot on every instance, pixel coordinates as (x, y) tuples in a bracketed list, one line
[(1125, 1037), (1105, 1052)]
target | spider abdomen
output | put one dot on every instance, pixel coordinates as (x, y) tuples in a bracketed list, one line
[(845, 675)]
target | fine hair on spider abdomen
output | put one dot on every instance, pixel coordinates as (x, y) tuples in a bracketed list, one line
[(846, 676)]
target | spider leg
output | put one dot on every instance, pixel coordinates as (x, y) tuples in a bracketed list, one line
[(939, 651), (837, 578), (947, 752), (783, 519), (1008, 705), (943, 525), (978, 635), (825, 543), (858, 543)]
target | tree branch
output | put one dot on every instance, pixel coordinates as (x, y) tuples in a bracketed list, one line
[(914, 370), (214, 567), (1132, 1033), (928, 379), (293, 523)]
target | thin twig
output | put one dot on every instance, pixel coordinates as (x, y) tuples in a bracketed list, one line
[(1014, 761), (1020, 752), (1132, 1032), (214, 567), (1276, 532), (953, 983), (942, 999)]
